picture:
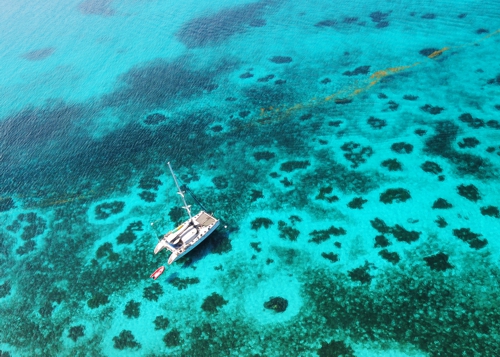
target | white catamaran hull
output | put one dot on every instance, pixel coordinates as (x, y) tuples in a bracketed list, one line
[(187, 236)]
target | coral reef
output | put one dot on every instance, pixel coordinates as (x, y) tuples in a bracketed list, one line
[(147, 196), (153, 292), (125, 340), (287, 232), (6, 204), (161, 322), (255, 195), (261, 222), (441, 203), (277, 304), (265, 79), (213, 302), (323, 191), (220, 182), (150, 183), (395, 194), (431, 167), (129, 236), (441, 222), (331, 256), (470, 142), (381, 241), (335, 349), (410, 97), (322, 235), (355, 153), (470, 192), (290, 166), (431, 109), (392, 165), (399, 232), (75, 332), (183, 283), (490, 211), (172, 338), (107, 209), (256, 246), (264, 155), (176, 214), (132, 309), (438, 262), (357, 71), (391, 257), (376, 123), (357, 203), (471, 238), (402, 148), (98, 299), (4, 289), (470, 121), (280, 59), (361, 274)]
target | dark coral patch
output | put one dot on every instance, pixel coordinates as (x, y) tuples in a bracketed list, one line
[(482, 31), (434, 110), (392, 165), (395, 194), (264, 155), (281, 59), (183, 283), (217, 128), (357, 203), (172, 338), (325, 81), (402, 148), (4, 289), (355, 153), (438, 262), (494, 124), (324, 191), (293, 165), (357, 71), (161, 322), (470, 192), (428, 16), (322, 235), (287, 232), (420, 132), (491, 211), (330, 256), (431, 167), (107, 209), (277, 304), (220, 182), (38, 55), (376, 123), (216, 28), (403, 235), (255, 195), (391, 257), (132, 309), (342, 100), (125, 340), (244, 113), (246, 75), (471, 121), (261, 222), (441, 222), (266, 78), (6, 204), (152, 292), (441, 203), (335, 349), (471, 238), (381, 241), (75, 332), (361, 274), (428, 51), (326, 23), (391, 106), (98, 299), (410, 97), (213, 302), (470, 142), (257, 23)]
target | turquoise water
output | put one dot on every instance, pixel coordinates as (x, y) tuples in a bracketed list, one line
[(351, 149)]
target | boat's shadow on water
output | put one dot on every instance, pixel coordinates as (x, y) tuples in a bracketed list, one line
[(218, 243)]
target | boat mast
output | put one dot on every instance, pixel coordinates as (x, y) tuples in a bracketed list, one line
[(179, 191)]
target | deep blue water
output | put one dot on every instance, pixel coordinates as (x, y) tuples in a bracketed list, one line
[(352, 151)]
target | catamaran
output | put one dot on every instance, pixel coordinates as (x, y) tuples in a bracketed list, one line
[(189, 234)]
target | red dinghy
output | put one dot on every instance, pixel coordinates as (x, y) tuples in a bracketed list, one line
[(157, 272)]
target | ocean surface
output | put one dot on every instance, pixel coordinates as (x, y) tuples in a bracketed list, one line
[(351, 150)]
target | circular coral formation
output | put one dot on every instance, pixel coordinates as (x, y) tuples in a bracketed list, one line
[(107, 209)]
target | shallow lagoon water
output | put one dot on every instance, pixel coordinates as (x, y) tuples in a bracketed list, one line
[(351, 149)]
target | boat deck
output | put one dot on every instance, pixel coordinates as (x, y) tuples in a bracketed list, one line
[(205, 220)]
